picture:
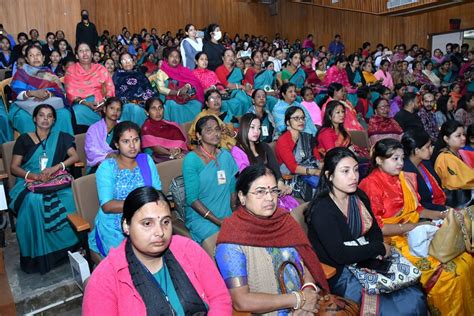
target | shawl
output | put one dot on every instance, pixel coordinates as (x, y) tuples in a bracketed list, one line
[(183, 75), (335, 75), (207, 78), (279, 230), (37, 78), (132, 86), (95, 144), (383, 125), (163, 133), (81, 83), (311, 76)]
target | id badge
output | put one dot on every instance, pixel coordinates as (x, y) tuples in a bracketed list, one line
[(221, 179), (265, 131), (43, 162)]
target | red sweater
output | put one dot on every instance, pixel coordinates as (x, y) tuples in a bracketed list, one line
[(284, 151)]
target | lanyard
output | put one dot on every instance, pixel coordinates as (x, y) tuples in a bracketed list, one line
[(427, 180), (42, 142)]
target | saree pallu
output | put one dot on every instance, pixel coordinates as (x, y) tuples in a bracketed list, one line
[(383, 127), (265, 79), (450, 286), (152, 136), (226, 140), (6, 132), (43, 232)]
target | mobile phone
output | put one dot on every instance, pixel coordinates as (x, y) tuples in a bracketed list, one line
[(379, 266)]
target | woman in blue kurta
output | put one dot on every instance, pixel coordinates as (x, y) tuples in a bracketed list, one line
[(42, 229), (32, 85), (182, 90), (133, 88), (116, 178), (209, 183), (232, 78)]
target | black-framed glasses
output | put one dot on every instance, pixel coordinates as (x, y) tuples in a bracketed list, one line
[(298, 118)]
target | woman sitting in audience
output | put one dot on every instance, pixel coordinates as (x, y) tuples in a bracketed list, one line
[(418, 150), (383, 75), (63, 48), (341, 214), (418, 75), (287, 100), (109, 64), (116, 177), (337, 73), (166, 139), (367, 73), (133, 88), (321, 70), (354, 74), (42, 228), (312, 80), (98, 141), (429, 73), (332, 133), (260, 109), (465, 111), (256, 241), (206, 77), (34, 84), (153, 272), (87, 85), (297, 154), (445, 110), (209, 182), (381, 125), (457, 178), (55, 64), (232, 78), (293, 72), (338, 92), (5, 54), (250, 150), (183, 92), (396, 206)]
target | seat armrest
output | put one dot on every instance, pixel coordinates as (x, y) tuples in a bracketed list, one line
[(79, 224), (3, 175), (329, 271)]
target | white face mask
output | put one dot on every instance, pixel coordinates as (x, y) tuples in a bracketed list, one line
[(217, 35)]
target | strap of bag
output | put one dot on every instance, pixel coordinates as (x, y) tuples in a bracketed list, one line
[(460, 218)]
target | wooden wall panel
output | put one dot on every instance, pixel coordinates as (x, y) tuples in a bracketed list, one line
[(233, 16), (43, 15)]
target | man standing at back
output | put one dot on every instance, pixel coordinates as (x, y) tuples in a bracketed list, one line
[(86, 31), (336, 47)]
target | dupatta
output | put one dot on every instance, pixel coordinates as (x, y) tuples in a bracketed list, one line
[(183, 75), (132, 86)]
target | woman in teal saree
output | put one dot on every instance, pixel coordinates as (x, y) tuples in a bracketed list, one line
[(43, 231)]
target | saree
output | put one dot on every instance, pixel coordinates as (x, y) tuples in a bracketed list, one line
[(265, 80), (449, 286), (94, 84), (335, 75), (201, 183), (96, 144), (239, 101), (383, 127), (133, 88), (37, 78), (329, 139), (351, 123), (163, 133), (168, 77), (43, 231), (114, 183)]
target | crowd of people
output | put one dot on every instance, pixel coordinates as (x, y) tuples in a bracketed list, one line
[(262, 126)]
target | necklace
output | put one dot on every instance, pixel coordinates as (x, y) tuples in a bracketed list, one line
[(207, 154)]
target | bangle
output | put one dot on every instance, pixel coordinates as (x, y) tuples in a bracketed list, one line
[(177, 94), (26, 94), (81, 101), (401, 228), (310, 284), (62, 164), (26, 175), (298, 300), (207, 214), (303, 298)]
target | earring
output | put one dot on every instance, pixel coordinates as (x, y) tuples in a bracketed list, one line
[(242, 202)]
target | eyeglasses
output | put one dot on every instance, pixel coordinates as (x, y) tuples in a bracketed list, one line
[(298, 118), (261, 192)]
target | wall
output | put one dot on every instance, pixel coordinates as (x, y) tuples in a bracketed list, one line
[(43, 15), (234, 16)]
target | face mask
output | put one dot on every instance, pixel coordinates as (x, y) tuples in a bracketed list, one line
[(85, 17), (217, 35)]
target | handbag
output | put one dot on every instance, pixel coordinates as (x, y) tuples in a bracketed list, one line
[(329, 304), (401, 273), (59, 180), (454, 236)]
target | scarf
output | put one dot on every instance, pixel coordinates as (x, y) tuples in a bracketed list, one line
[(354, 216), (132, 86), (153, 296), (163, 133), (383, 125), (36, 78), (279, 230), (183, 75)]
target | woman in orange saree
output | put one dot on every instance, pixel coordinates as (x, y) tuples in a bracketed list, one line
[(395, 203)]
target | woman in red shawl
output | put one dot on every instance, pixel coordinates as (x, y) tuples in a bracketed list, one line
[(255, 241), (381, 125)]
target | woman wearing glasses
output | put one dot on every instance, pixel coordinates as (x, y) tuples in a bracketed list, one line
[(254, 243), (209, 183), (297, 153)]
